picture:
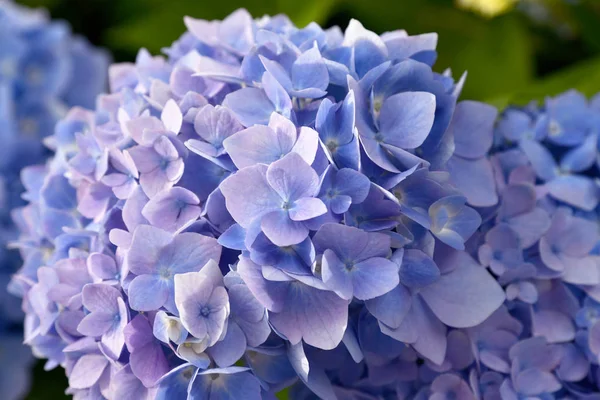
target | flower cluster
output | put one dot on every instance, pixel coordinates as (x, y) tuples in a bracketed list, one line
[(44, 70), (538, 195), (266, 207)]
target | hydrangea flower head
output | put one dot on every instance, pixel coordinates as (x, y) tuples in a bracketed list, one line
[(44, 71), (272, 206), (538, 196)]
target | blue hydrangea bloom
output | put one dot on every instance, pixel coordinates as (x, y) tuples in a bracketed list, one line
[(537, 193), (44, 71), (274, 208)]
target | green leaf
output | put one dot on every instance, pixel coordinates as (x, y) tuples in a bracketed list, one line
[(284, 394), (497, 53), (584, 76), (498, 59)]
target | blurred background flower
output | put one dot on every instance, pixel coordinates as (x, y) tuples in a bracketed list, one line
[(44, 71)]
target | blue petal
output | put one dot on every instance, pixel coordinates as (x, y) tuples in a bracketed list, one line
[(582, 157), (418, 270), (540, 158), (174, 385), (250, 105), (309, 71)]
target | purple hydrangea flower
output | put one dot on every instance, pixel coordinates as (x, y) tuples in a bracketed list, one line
[(44, 71), (266, 207), (538, 195)]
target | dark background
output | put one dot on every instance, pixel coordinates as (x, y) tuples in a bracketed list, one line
[(533, 49)]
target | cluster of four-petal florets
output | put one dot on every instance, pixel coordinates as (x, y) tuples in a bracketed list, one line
[(272, 196), (44, 70)]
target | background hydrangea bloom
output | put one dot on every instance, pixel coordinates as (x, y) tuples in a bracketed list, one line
[(271, 205), (44, 70), (537, 193)]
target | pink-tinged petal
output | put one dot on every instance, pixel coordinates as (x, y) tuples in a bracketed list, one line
[(172, 209), (154, 182)]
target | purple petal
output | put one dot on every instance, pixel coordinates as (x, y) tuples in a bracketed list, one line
[(574, 366), (228, 351), (336, 276), (87, 371), (307, 208), (578, 191), (534, 381), (423, 330), (232, 386), (270, 294), (114, 339), (102, 266), (281, 230), (309, 71), (147, 293), (417, 269), (472, 126), (464, 297), (406, 119), (474, 178), (146, 245), (100, 297), (172, 209), (147, 359), (258, 145), (312, 375), (316, 316), (540, 158), (248, 195), (95, 324), (251, 106), (292, 178), (392, 307), (555, 326)]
